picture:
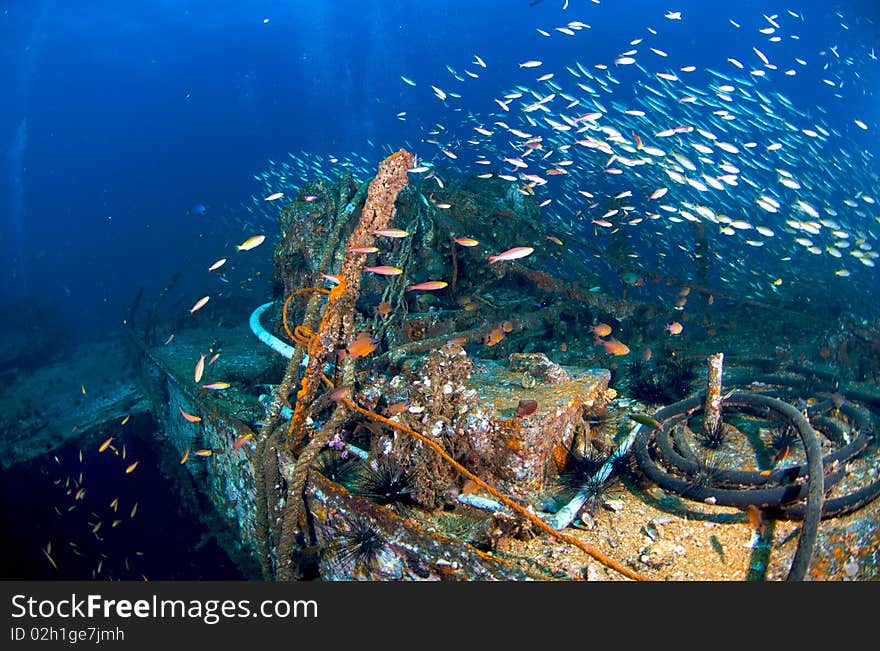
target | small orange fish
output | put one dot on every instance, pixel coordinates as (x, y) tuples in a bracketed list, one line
[(637, 139), (363, 249), (240, 441), (512, 254), (49, 557), (465, 241), (79, 494), (396, 408), (213, 359), (105, 444), (507, 326), (200, 369), (647, 355), (613, 347), (125, 420), (333, 279), (601, 329), (604, 223), (189, 417), (390, 232), (554, 239), (710, 300), (131, 468), (203, 453), (362, 345), (428, 286), (383, 308), (674, 328), (216, 386), (384, 270), (184, 457), (199, 304), (494, 336)]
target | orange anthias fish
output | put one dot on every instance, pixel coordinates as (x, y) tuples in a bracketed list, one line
[(203, 453), (200, 369), (638, 140), (362, 345), (240, 441), (512, 254), (131, 468), (601, 329), (430, 285), (390, 232), (363, 249), (384, 270), (554, 239), (613, 347), (105, 444), (189, 417), (216, 386), (465, 241), (184, 457)]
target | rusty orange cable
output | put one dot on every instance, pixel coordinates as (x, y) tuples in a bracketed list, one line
[(298, 292)]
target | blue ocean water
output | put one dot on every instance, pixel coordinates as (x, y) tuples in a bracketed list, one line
[(138, 139), (119, 118)]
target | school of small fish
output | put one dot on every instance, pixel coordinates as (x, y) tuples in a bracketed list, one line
[(655, 146)]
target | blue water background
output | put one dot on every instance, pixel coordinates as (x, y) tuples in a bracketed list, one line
[(119, 117)]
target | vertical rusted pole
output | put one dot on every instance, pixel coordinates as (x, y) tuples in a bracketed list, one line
[(712, 420)]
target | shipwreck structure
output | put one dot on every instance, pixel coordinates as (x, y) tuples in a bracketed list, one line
[(402, 409)]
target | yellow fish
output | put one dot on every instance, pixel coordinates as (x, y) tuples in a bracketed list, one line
[(251, 243)]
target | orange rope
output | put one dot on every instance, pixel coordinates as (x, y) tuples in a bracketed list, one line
[(320, 290)]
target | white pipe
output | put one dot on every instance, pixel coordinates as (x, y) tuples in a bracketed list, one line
[(564, 517), (265, 336)]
